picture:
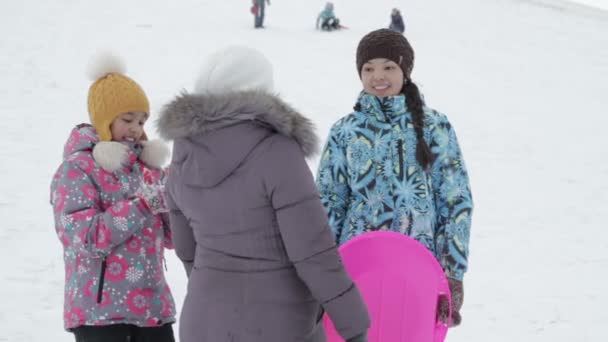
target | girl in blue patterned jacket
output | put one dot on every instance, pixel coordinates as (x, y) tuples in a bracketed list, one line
[(395, 164)]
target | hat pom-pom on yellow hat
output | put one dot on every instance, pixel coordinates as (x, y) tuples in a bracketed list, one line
[(103, 64), (112, 93)]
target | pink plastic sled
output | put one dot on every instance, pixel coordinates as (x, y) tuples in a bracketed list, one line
[(401, 283)]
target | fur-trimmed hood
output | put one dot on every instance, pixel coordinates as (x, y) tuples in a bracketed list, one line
[(214, 134), (193, 114)]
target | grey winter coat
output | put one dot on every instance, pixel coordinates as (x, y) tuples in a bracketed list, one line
[(249, 226)]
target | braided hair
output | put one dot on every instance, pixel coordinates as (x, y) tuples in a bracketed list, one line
[(415, 105), (385, 43)]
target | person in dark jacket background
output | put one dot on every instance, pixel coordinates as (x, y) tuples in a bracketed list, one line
[(259, 12), (396, 24), (246, 216)]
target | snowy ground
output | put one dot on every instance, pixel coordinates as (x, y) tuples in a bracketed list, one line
[(523, 82)]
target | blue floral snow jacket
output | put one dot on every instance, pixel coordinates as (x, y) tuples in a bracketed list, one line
[(369, 179)]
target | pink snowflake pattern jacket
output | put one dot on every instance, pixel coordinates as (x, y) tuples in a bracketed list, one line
[(113, 245)]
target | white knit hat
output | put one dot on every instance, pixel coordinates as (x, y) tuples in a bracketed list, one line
[(235, 68)]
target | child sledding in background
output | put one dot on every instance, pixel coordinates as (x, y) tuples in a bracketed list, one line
[(396, 24), (395, 164), (111, 219), (327, 20)]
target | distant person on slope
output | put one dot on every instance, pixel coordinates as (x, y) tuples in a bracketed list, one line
[(396, 24), (395, 164), (258, 9), (327, 20)]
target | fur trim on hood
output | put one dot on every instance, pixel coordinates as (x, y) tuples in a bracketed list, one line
[(197, 114)]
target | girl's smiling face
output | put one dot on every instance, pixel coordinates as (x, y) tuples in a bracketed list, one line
[(382, 77), (128, 126)]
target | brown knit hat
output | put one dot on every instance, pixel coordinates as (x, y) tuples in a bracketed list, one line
[(385, 43)]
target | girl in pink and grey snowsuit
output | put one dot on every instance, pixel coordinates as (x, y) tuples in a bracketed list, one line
[(111, 219)]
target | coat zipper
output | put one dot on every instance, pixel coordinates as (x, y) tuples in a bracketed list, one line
[(400, 151), (102, 277)]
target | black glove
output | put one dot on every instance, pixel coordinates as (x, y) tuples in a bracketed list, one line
[(457, 292)]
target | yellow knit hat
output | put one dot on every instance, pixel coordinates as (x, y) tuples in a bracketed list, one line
[(111, 94)]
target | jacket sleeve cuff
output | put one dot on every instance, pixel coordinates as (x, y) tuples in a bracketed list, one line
[(454, 274), (348, 313)]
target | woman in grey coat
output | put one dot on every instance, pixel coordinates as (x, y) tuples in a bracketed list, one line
[(246, 217)]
